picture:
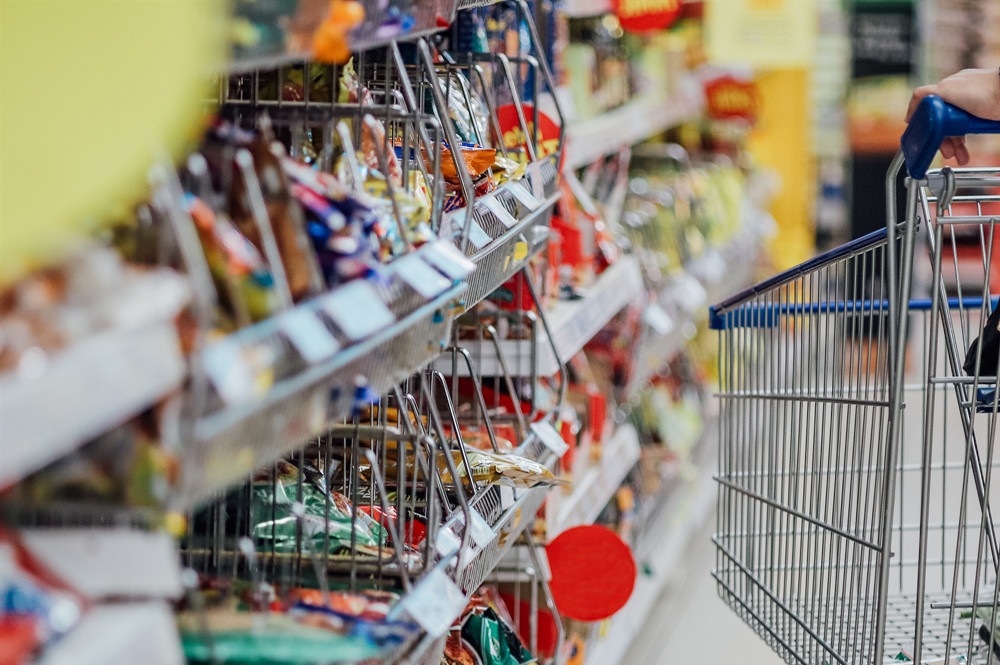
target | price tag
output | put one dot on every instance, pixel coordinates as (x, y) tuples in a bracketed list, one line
[(521, 193), (477, 236), (550, 438), (480, 531), (308, 335), (508, 497), (229, 366), (357, 309), (447, 543), (445, 257), (537, 181), (425, 280), (434, 603), (494, 205), (657, 319)]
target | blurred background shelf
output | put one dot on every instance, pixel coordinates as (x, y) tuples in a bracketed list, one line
[(640, 119), (86, 389), (597, 484), (573, 323)]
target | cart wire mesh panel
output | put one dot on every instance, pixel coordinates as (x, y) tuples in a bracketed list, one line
[(857, 436), (804, 410)]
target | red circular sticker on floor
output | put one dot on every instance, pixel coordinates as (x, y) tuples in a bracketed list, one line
[(593, 572)]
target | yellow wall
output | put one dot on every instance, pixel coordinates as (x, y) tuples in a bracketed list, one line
[(781, 141)]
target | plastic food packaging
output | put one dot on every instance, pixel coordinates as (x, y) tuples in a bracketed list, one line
[(277, 527)]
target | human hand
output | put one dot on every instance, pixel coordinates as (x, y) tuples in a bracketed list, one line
[(974, 90)]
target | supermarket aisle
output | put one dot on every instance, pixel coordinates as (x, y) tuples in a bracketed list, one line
[(690, 624)]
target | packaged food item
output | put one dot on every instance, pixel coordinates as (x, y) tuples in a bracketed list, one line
[(284, 217), (458, 651), (373, 136), (277, 526), (494, 641), (243, 279)]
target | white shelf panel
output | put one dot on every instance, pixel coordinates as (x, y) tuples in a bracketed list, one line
[(84, 391), (596, 486), (126, 633), (688, 506), (643, 117), (573, 323)]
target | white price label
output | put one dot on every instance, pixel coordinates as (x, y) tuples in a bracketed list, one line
[(308, 335), (537, 181), (480, 531), (445, 257), (521, 193), (357, 309), (228, 366), (508, 496), (477, 236), (434, 603), (424, 279), (446, 543), (550, 438), (658, 319), (495, 205)]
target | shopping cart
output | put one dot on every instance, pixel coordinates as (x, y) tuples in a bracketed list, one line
[(856, 460)]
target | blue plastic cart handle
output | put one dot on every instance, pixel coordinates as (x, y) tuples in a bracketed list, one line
[(934, 120)]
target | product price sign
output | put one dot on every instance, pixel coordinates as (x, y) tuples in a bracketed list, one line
[(550, 438), (494, 205), (434, 603), (357, 309), (641, 16), (447, 543), (308, 335), (422, 278), (445, 257), (240, 371), (477, 236), (480, 531), (522, 194)]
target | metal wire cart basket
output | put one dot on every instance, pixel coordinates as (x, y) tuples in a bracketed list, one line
[(858, 427)]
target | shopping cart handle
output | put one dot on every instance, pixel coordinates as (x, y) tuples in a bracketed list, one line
[(933, 120)]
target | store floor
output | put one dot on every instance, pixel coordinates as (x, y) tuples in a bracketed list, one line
[(690, 624)]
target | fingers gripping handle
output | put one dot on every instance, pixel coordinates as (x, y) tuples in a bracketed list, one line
[(934, 120)]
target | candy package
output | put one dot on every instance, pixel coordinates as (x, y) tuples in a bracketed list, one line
[(277, 527)]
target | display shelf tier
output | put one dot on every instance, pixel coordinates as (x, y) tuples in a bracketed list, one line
[(508, 511), (396, 330), (596, 485), (686, 506), (642, 118), (509, 227), (573, 323), (86, 389)]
